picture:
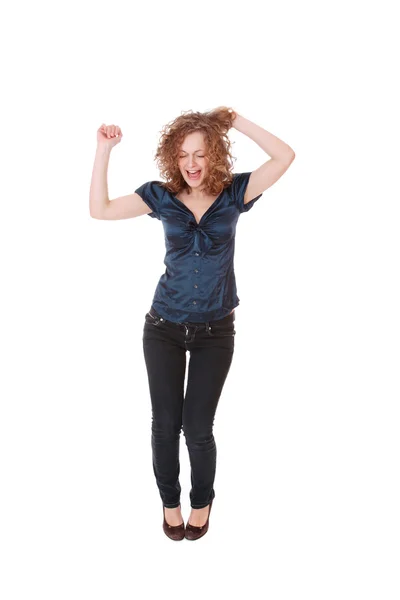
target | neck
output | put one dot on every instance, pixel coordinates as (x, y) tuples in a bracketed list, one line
[(197, 194)]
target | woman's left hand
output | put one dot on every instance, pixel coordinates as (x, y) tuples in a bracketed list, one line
[(235, 119), (230, 110)]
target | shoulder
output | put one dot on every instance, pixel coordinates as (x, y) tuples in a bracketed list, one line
[(153, 188), (238, 188), (152, 193), (239, 179)]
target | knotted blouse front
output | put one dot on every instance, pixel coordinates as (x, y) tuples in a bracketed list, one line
[(199, 281)]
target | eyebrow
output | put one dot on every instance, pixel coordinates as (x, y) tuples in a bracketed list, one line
[(201, 150)]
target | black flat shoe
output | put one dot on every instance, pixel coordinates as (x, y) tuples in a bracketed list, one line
[(194, 533), (175, 532)]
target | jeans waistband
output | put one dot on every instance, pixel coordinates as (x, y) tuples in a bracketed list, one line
[(227, 319)]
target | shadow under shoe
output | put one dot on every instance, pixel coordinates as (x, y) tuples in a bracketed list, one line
[(194, 533), (174, 532)]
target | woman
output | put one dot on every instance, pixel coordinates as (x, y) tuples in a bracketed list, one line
[(193, 306)]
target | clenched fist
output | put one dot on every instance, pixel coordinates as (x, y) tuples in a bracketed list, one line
[(109, 135)]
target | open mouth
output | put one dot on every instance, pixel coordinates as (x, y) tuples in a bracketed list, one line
[(194, 175)]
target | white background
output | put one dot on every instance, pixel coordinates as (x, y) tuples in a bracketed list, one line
[(307, 428)]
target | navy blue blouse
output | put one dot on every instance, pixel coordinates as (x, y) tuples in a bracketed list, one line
[(199, 281)]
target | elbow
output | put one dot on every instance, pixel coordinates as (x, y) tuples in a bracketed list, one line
[(287, 157), (290, 155)]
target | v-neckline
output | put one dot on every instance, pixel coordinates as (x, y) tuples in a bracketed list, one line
[(205, 213)]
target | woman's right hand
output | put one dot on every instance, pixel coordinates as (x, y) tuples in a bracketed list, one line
[(108, 135)]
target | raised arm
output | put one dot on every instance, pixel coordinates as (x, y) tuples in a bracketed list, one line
[(100, 206), (282, 155)]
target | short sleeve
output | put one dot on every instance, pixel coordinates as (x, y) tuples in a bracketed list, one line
[(151, 193), (239, 186)]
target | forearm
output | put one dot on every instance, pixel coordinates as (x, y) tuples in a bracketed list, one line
[(271, 144), (98, 198)]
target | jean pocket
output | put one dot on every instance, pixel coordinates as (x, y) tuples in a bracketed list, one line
[(228, 329), (151, 320)]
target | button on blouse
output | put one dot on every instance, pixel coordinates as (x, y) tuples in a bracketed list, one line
[(199, 280)]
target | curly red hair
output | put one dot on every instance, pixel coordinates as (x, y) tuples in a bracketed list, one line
[(214, 125)]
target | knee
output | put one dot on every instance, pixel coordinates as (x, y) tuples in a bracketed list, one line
[(166, 429), (197, 436)]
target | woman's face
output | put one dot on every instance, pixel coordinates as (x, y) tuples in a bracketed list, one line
[(192, 158)]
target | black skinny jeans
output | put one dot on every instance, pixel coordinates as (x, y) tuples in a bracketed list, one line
[(211, 347)]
